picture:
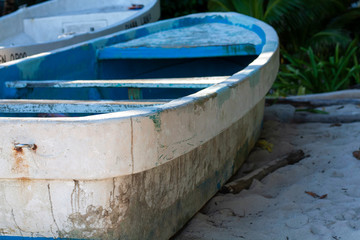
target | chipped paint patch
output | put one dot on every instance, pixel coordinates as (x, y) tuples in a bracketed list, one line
[(29, 68), (200, 103), (244, 49), (156, 118), (86, 46)]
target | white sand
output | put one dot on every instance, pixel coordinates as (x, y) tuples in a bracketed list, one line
[(278, 207)]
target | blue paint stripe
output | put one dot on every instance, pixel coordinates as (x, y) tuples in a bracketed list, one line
[(32, 238), (21, 238), (114, 52)]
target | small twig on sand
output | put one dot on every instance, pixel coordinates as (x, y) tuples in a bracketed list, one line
[(307, 102), (321, 118), (243, 183), (342, 97)]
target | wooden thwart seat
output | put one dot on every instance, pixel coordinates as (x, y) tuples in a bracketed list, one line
[(118, 51), (199, 82), (73, 106)]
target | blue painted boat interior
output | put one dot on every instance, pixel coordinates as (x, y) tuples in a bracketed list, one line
[(140, 69), (113, 57), (27, 238)]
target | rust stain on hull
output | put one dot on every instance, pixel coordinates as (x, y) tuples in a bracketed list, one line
[(20, 165), (34, 148)]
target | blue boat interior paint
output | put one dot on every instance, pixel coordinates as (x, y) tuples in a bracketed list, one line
[(29, 238), (185, 48)]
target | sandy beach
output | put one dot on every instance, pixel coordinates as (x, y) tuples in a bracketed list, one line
[(316, 198)]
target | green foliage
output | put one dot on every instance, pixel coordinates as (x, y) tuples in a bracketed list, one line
[(300, 23), (316, 38), (171, 8), (313, 74)]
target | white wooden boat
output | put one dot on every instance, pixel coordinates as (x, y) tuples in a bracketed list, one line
[(59, 23), (134, 165)]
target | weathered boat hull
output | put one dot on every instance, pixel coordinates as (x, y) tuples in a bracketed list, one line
[(38, 28), (138, 174), (152, 204)]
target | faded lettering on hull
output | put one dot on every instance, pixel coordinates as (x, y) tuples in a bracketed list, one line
[(2, 58), (146, 19), (12, 56), (131, 24)]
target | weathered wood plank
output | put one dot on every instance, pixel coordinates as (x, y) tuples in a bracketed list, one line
[(72, 106), (198, 82), (308, 102), (348, 96)]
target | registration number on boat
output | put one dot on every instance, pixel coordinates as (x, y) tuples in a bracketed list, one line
[(145, 19), (13, 56)]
